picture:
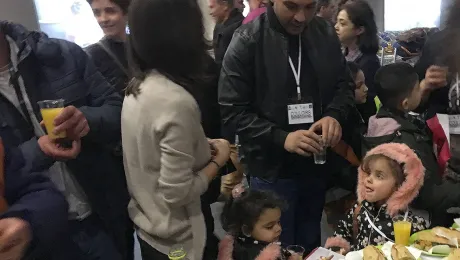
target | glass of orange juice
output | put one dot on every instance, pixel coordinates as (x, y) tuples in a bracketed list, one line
[(50, 109), (402, 227)]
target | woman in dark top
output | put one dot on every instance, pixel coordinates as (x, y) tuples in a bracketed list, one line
[(357, 32), (109, 53)]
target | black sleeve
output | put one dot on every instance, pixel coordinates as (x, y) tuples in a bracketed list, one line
[(343, 101), (236, 90), (438, 101)]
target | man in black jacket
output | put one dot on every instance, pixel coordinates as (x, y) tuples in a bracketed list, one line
[(228, 19), (284, 82)]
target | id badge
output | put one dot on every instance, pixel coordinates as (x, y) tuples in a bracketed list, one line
[(300, 113)]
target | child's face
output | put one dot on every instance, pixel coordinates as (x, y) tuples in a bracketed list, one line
[(413, 101), (361, 88), (380, 182), (268, 227)]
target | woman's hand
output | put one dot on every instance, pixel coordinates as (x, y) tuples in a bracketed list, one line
[(220, 150)]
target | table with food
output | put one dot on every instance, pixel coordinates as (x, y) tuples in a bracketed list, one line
[(433, 244)]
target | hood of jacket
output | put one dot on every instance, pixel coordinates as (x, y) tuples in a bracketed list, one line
[(226, 246), (381, 126), (414, 175), (46, 50)]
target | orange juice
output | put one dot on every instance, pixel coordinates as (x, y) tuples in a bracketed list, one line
[(402, 232), (49, 114)]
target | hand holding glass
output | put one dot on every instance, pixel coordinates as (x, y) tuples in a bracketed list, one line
[(50, 109), (296, 251)]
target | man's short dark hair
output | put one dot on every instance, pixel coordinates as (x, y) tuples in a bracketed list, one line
[(230, 3), (123, 4), (322, 3), (394, 83)]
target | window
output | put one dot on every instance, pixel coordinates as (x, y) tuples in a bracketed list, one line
[(71, 20), (401, 15)]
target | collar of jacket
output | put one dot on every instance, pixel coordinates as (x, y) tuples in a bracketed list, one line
[(234, 16), (46, 51), (274, 22), (406, 120)]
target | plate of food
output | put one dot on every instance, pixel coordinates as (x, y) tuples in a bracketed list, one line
[(388, 251), (438, 241)]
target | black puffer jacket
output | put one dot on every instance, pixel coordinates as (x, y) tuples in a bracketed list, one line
[(255, 83), (109, 68)]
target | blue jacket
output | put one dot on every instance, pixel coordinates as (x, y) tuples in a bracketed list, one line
[(53, 69), (33, 198)]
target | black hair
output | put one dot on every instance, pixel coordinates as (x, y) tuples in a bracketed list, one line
[(179, 50), (243, 212), (361, 15), (354, 69), (394, 83), (450, 37), (322, 3), (397, 168), (123, 4), (230, 3)]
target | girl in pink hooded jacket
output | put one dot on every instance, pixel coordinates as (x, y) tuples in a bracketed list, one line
[(252, 219), (389, 179)]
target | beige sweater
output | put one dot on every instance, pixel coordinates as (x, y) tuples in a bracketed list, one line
[(164, 150)]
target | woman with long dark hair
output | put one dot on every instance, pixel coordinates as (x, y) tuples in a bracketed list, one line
[(167, 157), (357, 32)]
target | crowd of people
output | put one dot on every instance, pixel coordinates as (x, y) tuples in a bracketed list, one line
[(151, 116)]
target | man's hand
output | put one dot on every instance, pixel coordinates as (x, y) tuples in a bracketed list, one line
[(330, 129), (55, 150), (15, 236), (303, 142), (73, 122), (435, 77)]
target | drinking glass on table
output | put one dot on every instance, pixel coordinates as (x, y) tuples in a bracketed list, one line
[(50, 109), (402, 226), (296, 250), (320, 158)]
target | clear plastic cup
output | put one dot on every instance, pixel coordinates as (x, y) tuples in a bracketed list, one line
[(320, 158), (50, 109), (295, 251), (177, 252), (402, 227)]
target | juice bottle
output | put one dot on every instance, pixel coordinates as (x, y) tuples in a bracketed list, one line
[(49, 114)]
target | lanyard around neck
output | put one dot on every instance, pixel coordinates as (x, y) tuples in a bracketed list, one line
[(297, 73)]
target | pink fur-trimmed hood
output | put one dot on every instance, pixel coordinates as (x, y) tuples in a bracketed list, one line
[(270, 252), (413, 170)]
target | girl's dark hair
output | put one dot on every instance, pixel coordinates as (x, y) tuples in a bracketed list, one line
[(167, 36), (354, 69), (361, 15), (246, 210), (123, 4), (397, 168)]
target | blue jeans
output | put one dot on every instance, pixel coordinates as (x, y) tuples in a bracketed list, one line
[(305, 196)]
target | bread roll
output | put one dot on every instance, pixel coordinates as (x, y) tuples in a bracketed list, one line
[(399, 252), (373, 253)]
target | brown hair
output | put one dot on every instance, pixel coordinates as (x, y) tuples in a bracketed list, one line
[(397, 168), (123, 4)]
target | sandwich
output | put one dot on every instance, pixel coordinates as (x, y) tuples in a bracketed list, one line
[(399, 252), (454, 255), (438, 236), (373, 253)]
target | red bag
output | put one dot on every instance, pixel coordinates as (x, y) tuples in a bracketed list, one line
[(440, 142)]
